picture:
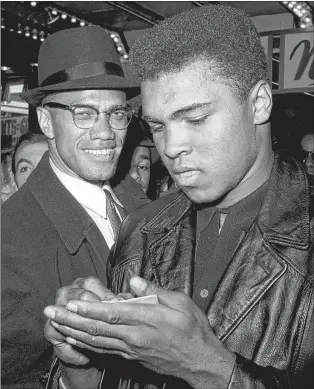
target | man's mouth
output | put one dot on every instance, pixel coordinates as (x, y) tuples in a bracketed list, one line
[(106, 152), (186, 177)]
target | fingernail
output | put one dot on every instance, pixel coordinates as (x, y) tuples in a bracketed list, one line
[(138, 282), (50, 312), (71, 340), (54, 323), (72, 307)]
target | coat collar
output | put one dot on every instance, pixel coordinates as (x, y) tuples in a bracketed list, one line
[(66, 214), (171, 209), (284, 214)]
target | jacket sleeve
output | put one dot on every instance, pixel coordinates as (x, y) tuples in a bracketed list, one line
[(248, 375)]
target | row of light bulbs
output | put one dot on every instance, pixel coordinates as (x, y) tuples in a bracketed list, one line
[(302, 10), (114, 36), (64, 16), (27, 31), (41, 35)]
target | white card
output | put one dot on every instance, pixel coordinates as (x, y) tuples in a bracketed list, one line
[(151, 299)]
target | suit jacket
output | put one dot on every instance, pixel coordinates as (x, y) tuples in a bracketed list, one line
[(48, 240)]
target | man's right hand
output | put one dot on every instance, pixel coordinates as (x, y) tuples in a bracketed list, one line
[(87, 289)]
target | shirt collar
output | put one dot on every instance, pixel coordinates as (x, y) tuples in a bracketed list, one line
[(89, 195), (243, 212)]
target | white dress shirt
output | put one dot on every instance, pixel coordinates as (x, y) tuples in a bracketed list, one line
[(93, 200)]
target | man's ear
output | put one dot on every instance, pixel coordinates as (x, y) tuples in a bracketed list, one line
[(44, 120), (262, 102)]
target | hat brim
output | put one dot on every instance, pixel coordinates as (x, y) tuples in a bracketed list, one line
[(154, 155), (130, 87)]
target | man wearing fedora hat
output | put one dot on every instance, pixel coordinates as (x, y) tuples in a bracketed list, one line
[(62, 223)]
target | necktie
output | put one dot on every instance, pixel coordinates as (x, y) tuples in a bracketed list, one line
[(112, 213)]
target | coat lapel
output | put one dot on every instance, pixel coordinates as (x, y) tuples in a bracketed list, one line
[(250, 274), (167, 237), (99, 247), (282, 225), (69, 218)]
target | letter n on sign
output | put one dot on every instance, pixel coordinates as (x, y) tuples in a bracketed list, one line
[(297, 53)]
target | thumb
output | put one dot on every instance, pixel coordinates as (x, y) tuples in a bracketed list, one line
[(142, 287)]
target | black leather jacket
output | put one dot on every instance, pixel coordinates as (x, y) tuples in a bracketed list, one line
[(263, 309)]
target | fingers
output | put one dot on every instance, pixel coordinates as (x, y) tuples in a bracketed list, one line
[(142, 287), (174, 300), (62, 349), (52, 335), (95, 286), (97, 342), (63, 317), (113, 314), (66, 294), (125, 296), (86, 289)]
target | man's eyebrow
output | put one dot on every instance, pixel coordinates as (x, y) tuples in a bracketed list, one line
[(91, 105), (181, 111), (23, 160), (144, 157)]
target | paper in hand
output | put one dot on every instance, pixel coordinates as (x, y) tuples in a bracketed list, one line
[(151, 299)]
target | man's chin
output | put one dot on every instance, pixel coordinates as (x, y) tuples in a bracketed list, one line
[(97, 177), (197, 195)]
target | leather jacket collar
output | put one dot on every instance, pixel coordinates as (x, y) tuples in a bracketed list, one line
[(283, 205)]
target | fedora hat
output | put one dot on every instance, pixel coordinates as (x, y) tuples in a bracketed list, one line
[(79, 58)]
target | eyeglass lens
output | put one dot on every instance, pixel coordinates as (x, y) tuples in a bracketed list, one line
[(85, 117)]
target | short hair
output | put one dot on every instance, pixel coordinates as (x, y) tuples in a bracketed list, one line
[(29, 137), (212, 32)]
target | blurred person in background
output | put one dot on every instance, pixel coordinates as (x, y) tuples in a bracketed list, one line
[(8, 185), (133, 177), (307, 146), (141, 166), (307, 157), (28, 152)]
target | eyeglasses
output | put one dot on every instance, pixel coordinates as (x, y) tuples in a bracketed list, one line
[(85, 117)]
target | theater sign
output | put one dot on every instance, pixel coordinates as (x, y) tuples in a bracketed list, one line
[(296, 59)]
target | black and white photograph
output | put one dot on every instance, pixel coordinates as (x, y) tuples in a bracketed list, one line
[(157, 194)]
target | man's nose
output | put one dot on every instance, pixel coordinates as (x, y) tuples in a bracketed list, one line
[(176, 141), (136, 175), (309, 161), (101, 129)]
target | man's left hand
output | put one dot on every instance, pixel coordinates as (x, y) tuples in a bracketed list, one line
[(173, 337)]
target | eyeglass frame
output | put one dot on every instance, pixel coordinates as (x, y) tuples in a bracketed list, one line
[(72, 108)]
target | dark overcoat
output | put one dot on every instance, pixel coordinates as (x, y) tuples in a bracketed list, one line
[(48, 240)]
